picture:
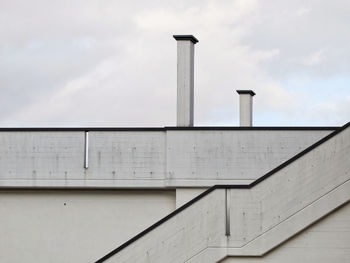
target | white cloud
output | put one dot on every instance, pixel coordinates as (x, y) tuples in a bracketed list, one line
[(314, 58), (303, 11), (114, 63), (336, 111)]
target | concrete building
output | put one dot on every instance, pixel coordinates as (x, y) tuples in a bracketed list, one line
[(176, 194)]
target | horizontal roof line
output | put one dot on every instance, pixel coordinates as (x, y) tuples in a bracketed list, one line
[(171, 128)]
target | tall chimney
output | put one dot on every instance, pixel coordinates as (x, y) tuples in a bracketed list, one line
[(245, 107), (185, 79)]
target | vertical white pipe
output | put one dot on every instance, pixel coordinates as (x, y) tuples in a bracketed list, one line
[(86, 151), (246, 107), (185, 79)]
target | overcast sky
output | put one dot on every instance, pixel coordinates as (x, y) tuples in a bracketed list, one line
[(113, 63)]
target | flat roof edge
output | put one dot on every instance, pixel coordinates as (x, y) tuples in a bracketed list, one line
[(171, 128)]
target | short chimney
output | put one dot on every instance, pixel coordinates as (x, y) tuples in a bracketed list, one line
[(246, 107), (185, 79)]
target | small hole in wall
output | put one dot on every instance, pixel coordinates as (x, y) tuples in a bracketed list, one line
[(64, 204)]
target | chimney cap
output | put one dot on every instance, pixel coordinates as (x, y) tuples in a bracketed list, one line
[(252, 93), (186, 37)]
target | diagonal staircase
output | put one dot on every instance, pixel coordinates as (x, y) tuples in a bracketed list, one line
[(250, 220)]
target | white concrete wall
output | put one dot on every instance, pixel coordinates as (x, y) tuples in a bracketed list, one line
[(184, 195), (326, 241), (182, 236), (268, 214), (52, 225), (259, 219), (127, 158), (316, 176), (204, 158), (74, 226), (31, 158), (146, 159)]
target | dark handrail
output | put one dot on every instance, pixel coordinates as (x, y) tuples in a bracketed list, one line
[(198, 128)]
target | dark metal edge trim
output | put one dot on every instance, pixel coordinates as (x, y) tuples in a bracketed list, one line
[(254, 128), (246, 92), (171, 128), (186, 37), (85, 129)]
